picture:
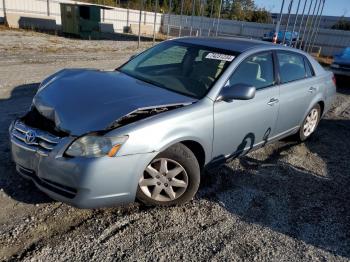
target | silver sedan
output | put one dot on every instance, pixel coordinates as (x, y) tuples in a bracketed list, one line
[(148, 129)]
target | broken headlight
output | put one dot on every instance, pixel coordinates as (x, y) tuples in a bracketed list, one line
[(96, 146)]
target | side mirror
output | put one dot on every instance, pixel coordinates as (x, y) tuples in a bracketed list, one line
[(237, 91)]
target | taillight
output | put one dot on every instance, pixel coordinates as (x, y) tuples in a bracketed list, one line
[(334, 80)]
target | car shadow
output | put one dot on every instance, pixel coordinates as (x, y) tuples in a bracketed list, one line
[(300, 198), (14, 185)]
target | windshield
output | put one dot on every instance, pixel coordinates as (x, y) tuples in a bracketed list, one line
[(183, 68)]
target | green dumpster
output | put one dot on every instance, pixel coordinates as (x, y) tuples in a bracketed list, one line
[(81, 20)]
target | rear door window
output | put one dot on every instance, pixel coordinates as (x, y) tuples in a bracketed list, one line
[(291, 66)]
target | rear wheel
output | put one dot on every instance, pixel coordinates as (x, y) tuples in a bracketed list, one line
[(171, 178), (310, 123)]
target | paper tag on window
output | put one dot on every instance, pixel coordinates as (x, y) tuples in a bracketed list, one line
[(222, 57)]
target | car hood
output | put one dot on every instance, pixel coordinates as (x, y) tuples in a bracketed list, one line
[(83, 100)]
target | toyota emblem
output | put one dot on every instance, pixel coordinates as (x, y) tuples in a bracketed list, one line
[(30, 137)]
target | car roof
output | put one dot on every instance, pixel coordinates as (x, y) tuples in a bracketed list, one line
[(234, 44)]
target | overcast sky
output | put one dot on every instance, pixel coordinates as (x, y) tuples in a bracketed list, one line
[(332, 7)]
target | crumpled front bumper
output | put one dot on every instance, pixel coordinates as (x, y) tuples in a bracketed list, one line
[(78, 181)]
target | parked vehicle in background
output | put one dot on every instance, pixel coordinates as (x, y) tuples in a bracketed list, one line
[(290, 37), (341, 63), (97, 138)]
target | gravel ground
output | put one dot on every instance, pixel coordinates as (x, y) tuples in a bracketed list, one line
[(285, 202)]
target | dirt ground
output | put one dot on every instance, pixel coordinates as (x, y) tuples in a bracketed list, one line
[(285, 202)]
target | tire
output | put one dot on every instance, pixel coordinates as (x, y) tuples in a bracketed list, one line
[(308, 127), (174, 185)]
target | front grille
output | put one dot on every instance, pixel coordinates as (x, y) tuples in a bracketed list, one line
[(33, 139), (34, 119), (66, 191)]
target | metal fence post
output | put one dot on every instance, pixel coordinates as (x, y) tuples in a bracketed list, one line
[(168, 28), (307, 20), (219, 14), (295, 21), (277, 28), (301, 23), (127, 15), (48, 7), (313, 26), (318, 26), (193, 9), (286, 28), (201, 15), (211, 17), (140, 17), (4, 10), (310, 27), (181, 11), (155, 20)]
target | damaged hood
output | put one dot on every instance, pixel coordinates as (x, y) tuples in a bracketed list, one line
[(81, 100)]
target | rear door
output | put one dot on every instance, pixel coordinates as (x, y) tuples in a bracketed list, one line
[(242, 124), (297, 88)]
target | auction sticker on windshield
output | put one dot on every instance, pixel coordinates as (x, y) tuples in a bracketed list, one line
[(222, 57)]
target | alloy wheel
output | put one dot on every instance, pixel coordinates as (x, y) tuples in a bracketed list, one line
[(164, 180), (310, 122)]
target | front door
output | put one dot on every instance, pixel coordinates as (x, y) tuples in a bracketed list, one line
[(242, 124)]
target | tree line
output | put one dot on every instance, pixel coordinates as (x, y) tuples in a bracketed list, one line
[(241, 10)]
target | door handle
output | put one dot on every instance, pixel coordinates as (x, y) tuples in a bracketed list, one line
[(312, 89), (272, 101)]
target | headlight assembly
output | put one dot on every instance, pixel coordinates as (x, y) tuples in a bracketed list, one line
[(96, 146)]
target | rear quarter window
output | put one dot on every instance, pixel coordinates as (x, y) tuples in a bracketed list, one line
[(309, 70)]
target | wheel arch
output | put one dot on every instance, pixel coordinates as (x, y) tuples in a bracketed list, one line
[(322, 105), (197, 149)]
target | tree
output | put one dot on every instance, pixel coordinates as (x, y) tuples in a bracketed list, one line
[(241, 10), (342, 24)]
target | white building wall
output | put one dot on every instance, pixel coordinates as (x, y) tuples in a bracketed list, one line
[(116, 17)]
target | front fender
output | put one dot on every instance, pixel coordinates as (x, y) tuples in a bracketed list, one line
[(193, 122)]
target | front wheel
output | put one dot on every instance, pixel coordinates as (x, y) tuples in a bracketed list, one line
[(171, 178), (310, 123)]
